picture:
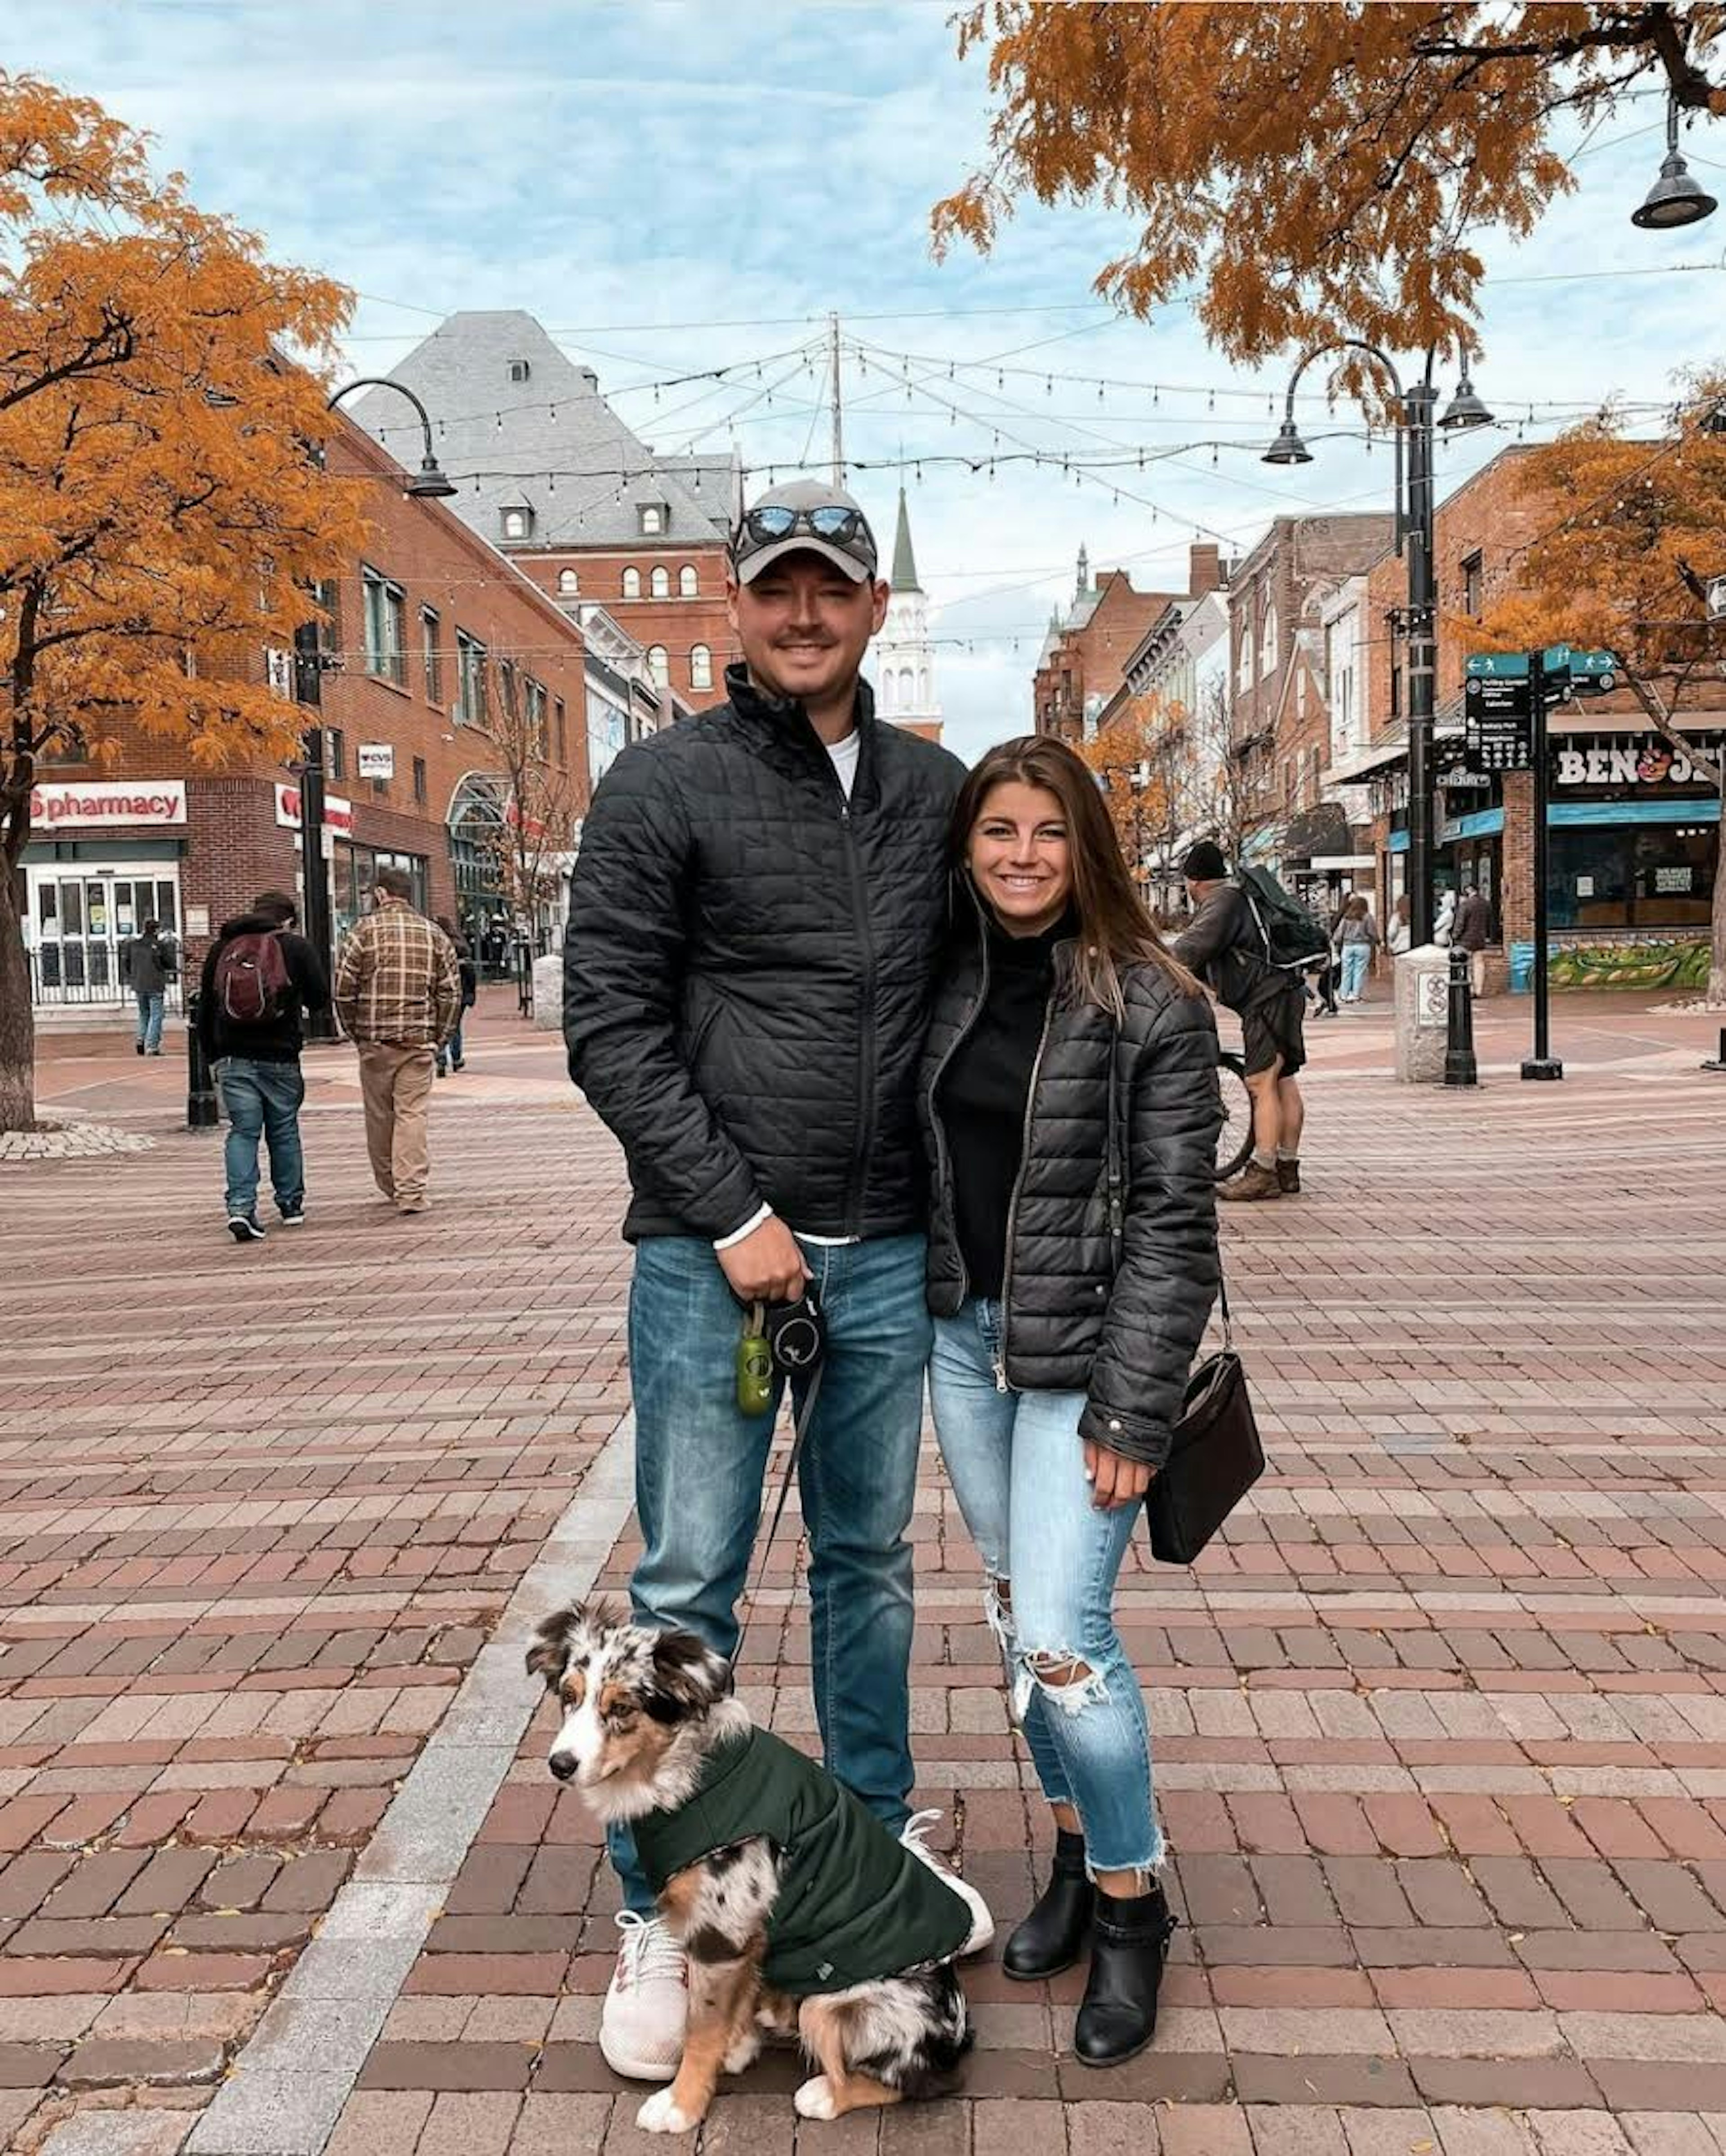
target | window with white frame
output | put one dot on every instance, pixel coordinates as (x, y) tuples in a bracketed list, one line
[(651, 519), (386, 605), (470, 679), (700, 667), (518, 521), (658, 583), (534, 697), (659, 667), (431, 659), (632, 583), (568, 582), (688, 584), (1268, 643)]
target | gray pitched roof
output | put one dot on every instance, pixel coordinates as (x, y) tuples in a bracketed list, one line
[(551, 444)]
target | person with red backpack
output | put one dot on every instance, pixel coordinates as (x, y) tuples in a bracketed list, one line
[(258, 979)]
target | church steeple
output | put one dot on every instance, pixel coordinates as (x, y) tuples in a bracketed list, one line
[(1083, 585), (904, 561)]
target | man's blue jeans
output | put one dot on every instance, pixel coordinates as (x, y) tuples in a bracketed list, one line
[(150, 1011), (700, 1467), (262, 1100)]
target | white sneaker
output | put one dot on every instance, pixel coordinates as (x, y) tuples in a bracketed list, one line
[(646, 2010), (983, 1925)]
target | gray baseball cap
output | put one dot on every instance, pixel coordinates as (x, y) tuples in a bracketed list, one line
[(803, 517)]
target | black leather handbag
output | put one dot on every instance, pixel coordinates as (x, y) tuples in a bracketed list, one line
[(1213, 1460), (1214, 1456)]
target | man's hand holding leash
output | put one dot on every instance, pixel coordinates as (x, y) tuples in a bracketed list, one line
[(766, 1266)]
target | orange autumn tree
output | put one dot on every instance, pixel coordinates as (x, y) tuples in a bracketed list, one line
[(161, 505), (1137, 756), (1315, 171), (1638, 529)]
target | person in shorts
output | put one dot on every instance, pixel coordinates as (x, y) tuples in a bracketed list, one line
[(1222, 945)]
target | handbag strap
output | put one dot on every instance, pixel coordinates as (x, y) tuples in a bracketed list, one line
[(1117, 1185)]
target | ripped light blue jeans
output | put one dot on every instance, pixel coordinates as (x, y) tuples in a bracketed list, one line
[(1017, 1466)]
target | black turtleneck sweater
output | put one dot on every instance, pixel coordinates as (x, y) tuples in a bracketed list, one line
[(984, 1091)]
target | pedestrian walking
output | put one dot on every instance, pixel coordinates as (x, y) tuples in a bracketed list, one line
[(1473, 929), (1354, 938), (755, 919), (1399, 936), (1067, 1047), (148, 962), (258, 979), (1223, 946), (452, 1056), (398, 996)]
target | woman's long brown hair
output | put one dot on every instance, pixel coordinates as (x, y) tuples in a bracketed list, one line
[(1115, 929)]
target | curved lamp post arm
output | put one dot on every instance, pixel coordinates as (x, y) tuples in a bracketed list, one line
[(1404, 517), (429, 483)]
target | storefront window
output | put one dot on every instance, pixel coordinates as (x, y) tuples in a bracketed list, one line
[(1637, 875), (355, 870)]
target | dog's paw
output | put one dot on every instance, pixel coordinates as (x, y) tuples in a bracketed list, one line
[(662, 2114), (743, 2054), (815, 2099)]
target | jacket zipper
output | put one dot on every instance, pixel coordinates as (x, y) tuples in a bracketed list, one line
[(943, 1167), (1030, 1101), (866, 1044)]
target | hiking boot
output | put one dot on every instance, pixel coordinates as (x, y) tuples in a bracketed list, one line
[(1129, 1944), (245, 1228), (646, 2010), (1288, 1177), (983, 1925), (1253, 1182), (1058, 1929)]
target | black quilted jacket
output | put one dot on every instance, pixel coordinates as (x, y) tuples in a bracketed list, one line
[(748, 968), (1109, 1280)]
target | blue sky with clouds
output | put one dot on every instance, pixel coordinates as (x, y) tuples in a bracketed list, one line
[(691, 183)]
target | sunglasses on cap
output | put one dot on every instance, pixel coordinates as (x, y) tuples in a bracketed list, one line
[(831, 521)]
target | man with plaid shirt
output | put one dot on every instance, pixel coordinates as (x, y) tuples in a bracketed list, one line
[(398, 995)]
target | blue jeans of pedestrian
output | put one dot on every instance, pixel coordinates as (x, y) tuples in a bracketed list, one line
[(452, 1051), (262, 1100), (1016, 1462), (150, 1011), (700, 1468), (1356, 959)]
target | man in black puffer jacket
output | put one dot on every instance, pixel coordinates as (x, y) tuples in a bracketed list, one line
[(754, 928)]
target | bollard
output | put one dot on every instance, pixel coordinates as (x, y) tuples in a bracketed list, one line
[(200, 1108), (1718, 1063), (1460, 1068)]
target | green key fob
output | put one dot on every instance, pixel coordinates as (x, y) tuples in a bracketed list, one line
[(755, 1365)]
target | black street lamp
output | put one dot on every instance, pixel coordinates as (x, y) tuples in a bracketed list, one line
[(429, 484), (1415, 412), (1676, 198)]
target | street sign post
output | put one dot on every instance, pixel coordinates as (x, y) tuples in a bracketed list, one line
[(1543, 1063)]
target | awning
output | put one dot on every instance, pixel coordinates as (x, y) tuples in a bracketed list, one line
[(1261, 843)]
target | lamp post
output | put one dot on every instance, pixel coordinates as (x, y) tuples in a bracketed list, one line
[(428, 483), (1416, 414), (1676, 198)]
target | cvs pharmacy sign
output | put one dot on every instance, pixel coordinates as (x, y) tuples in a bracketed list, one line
[(108, 806), (338, 815)]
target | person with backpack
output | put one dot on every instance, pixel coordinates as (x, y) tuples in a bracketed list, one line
[(1354, 939), (258, 978), (1240, 946), (148, 962)]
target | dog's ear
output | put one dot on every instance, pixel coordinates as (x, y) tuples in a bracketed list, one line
[(688, 1678), (548, 1657)]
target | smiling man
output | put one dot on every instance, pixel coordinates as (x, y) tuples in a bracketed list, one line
[(754, 923)]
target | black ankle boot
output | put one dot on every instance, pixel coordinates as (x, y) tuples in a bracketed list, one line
[(1055, 1933), (1129, 1944)]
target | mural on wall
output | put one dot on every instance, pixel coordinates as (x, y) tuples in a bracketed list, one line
[(1674, 965)]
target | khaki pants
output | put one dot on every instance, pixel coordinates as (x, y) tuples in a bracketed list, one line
[(1477, 972), (397, 1083)]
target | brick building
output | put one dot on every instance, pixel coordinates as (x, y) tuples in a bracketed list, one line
[(1632, 829), (433, 632), (1084, 658), (550, 474), (1278, 596)]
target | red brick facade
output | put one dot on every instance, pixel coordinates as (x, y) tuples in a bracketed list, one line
[(1089, 661), (682, 624), (233, 843)]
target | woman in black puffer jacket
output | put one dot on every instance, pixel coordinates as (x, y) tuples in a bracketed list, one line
[(1069, 1104)]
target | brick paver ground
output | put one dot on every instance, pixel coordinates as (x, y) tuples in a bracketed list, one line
[(1440, 1728)]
